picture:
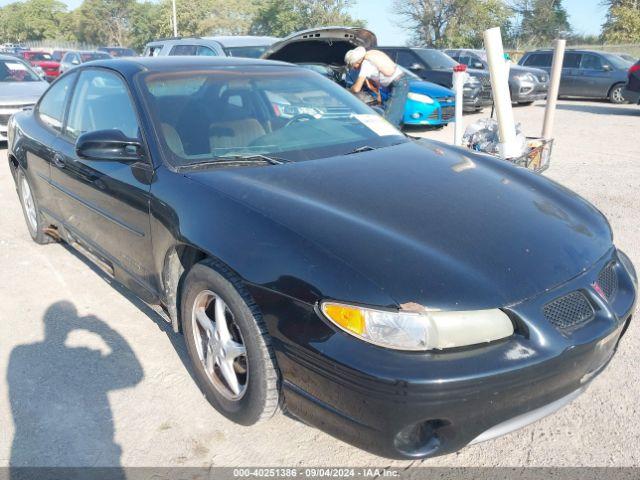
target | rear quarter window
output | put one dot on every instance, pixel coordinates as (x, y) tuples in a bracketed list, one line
[(538, 60)]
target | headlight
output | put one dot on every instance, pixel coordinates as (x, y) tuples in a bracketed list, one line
[(428, 330), (419, 97), (526, 77), (626, 263)]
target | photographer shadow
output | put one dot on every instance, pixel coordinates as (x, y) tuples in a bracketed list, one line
[(59, 395)]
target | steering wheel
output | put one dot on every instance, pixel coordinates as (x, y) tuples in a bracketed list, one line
[(302, 117)]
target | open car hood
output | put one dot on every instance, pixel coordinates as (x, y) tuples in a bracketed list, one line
[(326, 45)]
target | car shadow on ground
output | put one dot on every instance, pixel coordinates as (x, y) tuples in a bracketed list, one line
[(599, 108), (176, 339), (59, 396)]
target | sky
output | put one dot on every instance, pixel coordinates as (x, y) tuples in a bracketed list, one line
[(586, 16)]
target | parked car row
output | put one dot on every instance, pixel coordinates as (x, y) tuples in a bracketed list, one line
[(585, 73)]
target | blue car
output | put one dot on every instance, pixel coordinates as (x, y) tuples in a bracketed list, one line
[(427, 103)]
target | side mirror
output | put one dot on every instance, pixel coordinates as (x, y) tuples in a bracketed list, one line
[(416, 66), (607, 68), (110, 145), (478, 65)]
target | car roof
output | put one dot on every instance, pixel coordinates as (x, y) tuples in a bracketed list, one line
[(242, 40), (166, 63), (572, 50), (11, 58)]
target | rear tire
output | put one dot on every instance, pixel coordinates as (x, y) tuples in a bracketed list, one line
[(615, 95), (30, 209), (233, 360)]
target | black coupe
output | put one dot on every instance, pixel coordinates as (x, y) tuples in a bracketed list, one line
[(405, 296)]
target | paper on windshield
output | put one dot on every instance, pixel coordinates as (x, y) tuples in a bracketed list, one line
[(377, 124)]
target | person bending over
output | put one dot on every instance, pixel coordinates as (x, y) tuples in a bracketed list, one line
[(377, 68)]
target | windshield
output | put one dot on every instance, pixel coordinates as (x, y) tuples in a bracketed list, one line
[(617, 62), (89, 56), (16, 71), (57, 55), (435, 59), (292, 114), (40, 57), (247, 52)]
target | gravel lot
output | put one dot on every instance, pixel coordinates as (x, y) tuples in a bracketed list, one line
[(127, 386)]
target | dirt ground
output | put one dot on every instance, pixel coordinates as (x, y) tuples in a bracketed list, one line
[(110, 367)]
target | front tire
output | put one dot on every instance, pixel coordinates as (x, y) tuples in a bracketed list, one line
[(228, 344), (30, 209), (615, 96)]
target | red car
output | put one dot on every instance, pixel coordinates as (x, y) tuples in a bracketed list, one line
[(45, 61)]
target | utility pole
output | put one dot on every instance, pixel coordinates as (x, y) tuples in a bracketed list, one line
[(175, 20)]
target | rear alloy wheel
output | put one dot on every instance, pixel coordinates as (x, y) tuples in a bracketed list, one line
[(30, 209), (616, 94), (228, 345)]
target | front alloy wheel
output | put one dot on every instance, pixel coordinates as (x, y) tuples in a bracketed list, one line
[(227, 341), (220, 347)]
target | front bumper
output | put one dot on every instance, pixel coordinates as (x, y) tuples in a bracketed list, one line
[(435, 114), (414, 405)]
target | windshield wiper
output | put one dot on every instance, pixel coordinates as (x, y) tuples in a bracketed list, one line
[(364, 148), (236, 159)]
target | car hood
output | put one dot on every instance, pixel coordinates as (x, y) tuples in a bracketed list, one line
[(429, 223), (47, 63), (17, 93), (431, 89), (516, 69), (326, 45)]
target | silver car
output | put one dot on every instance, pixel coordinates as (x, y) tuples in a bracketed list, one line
[(20, 87), (221, 46), (73, 59)]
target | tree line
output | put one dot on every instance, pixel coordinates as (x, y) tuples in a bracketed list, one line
[(433, 23), (524, 23), (134, 23)]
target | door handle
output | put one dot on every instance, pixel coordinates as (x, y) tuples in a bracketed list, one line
[(58, 160)]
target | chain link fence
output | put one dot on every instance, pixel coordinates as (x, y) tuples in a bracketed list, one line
[(51, 45)]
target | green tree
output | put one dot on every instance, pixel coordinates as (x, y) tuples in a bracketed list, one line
[(145, 24), (282, 17), (450, 23), (541, 21), (623, 22), (104, 22), (34, 20)]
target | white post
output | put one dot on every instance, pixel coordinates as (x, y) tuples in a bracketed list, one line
[(459, 77), (175, 20), (554, 87), (508, 147)]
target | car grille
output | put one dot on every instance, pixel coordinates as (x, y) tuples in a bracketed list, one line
[(4, 118), (569, 311), (608, 281), (446, 99), (486, 87), (448, 113)]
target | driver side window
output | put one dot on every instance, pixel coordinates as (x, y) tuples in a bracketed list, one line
[(51, 107), (101, 102)]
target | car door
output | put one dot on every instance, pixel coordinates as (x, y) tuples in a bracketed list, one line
[(569, 81), (41, 147), (593, 80), (106, 203)]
